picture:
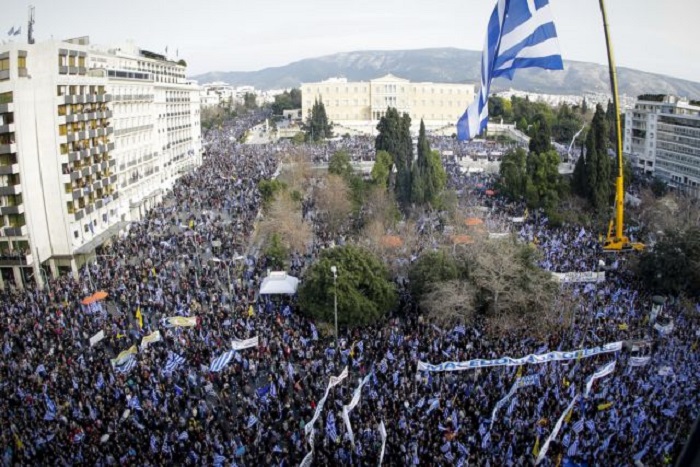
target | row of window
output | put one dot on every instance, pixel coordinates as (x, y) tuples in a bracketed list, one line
[(80, 90)]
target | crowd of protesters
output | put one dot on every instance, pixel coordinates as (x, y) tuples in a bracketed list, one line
[(66, 400)]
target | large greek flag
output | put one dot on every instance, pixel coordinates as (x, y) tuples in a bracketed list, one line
[(521, 34)]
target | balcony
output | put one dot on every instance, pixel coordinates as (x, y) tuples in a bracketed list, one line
[(79, 214), (74, 175), (73, 156), (15, 259), (9, 210), (9, 128), (8, 148), (110, 146), (5, 108), (15, 231), (112, 179), (10, 190), (77, 194), (97, 185), (89, 209)]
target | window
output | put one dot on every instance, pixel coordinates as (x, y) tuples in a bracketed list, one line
[(21, 62), (4, 64)]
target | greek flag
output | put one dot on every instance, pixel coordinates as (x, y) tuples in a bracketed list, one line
[(221, 361), (173, 362), (252, 420), (520, 34), (578, 427), (573, 449), (331, 430)]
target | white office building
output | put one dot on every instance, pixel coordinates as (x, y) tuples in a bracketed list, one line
[(662, 138), (358, 106), (89, 139)]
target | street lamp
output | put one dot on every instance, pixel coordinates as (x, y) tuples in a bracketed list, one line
[(334, 270)]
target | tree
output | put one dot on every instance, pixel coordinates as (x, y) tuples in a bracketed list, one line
[(284, 218), (430, 269), (659, 187), (340, 164), (288, 100), (365, 290), (598, 162), (268, 190), (317, 127), (250, 101), (451, 302), (275, 252), (584, 107), (333, 202), (612, 125), (541, 140), (394, 137), (506, 273), (673, 265), (513, 173), (544, 178), (382, 169)]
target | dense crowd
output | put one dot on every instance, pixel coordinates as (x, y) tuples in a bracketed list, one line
[(65, 401)]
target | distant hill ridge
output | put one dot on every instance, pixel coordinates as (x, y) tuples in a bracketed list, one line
[(451, 65)]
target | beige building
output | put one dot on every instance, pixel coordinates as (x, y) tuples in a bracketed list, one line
[(90, 138), (358, 106)]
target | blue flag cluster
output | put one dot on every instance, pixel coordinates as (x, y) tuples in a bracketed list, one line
[(521, 34)]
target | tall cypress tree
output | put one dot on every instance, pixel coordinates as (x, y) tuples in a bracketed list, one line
[(394, 137), (541, 141), (598, 162)]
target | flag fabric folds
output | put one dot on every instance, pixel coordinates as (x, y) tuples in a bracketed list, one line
[(221, 361), (520, 34), (244, 344)]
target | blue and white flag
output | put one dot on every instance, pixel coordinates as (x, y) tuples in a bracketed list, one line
[(252, 420), (173, 362), (221, 361), (520, 34)]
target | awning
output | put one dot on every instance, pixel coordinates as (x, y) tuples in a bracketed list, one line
[(100, 238), (279, 283)]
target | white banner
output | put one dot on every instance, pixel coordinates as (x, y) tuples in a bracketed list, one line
[(382, 432), (605, 370), (334, 381), (639, 361), (245, 344), (555, 431), (508, 361), (97, 338), (150, 339), (353, 403), (571, 277), (664, 330), (519, 383)]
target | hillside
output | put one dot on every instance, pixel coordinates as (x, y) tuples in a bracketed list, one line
[(453, 66)]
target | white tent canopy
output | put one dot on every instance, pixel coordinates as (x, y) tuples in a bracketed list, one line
[(279, 283)]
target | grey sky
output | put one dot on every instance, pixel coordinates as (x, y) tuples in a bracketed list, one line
[(660, 36)]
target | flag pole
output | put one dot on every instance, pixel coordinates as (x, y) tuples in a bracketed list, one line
[(616, 241)]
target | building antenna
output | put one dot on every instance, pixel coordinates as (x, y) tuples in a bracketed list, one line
[(30, 26)]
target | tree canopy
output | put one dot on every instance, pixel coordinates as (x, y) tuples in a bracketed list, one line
[(365, 290), (288, 100), (394, 137), (317, 127), (673, 265), (592, 173)]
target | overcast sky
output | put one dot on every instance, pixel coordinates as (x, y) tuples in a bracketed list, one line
[(660, 36)]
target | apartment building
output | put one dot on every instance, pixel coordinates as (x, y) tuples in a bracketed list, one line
[(662, 138), (84, 149), (360, 105)]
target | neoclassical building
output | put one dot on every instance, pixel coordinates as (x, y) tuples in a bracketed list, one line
[(359, 105)]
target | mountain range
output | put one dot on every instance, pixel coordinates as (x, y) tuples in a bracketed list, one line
[(451, 65)]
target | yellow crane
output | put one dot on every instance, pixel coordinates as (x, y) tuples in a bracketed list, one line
[(616, 239)]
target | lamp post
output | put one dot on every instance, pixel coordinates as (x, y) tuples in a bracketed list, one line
[(334, 270)]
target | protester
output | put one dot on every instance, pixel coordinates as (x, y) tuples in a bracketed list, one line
[(66, 401)]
